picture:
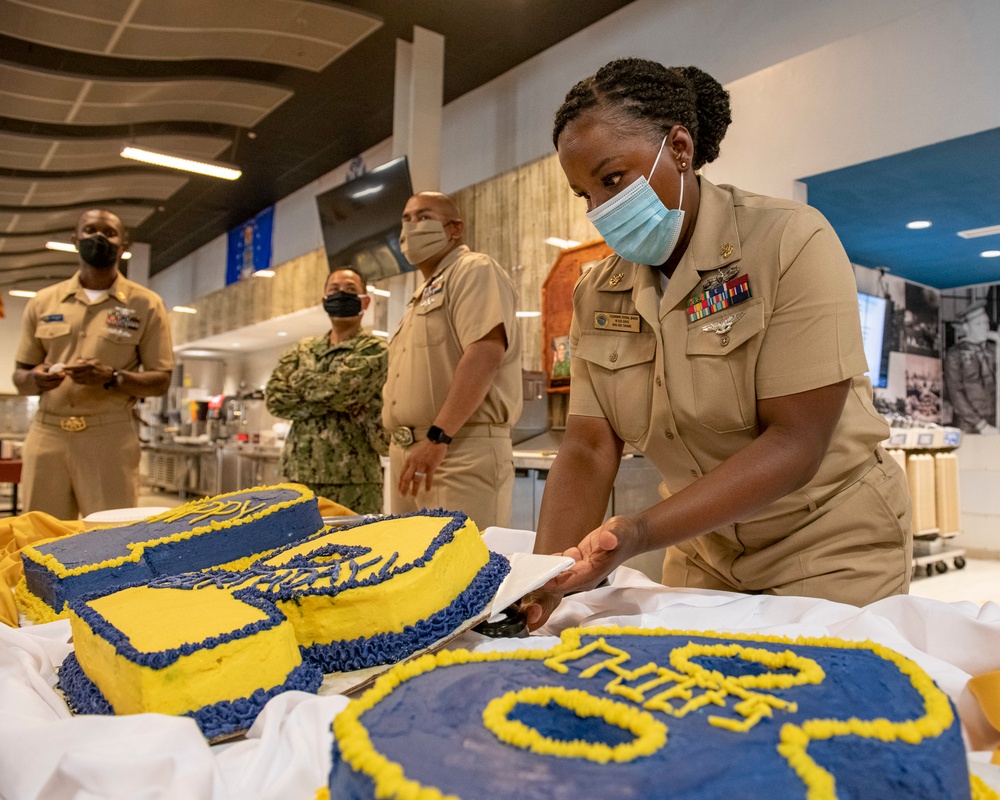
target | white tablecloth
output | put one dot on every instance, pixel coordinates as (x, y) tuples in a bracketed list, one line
[(47, 753)]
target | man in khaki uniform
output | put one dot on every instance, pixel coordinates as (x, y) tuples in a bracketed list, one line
[(454, 386), (90, 346)]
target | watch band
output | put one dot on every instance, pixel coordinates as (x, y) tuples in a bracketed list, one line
[(438, 436), (116, 379)]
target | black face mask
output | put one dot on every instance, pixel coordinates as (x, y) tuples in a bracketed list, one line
[(98, 251), (342, 304)]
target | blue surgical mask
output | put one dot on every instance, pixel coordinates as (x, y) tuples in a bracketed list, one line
[(636, 224)]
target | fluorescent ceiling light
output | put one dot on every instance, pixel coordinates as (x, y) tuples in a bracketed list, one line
[(527, 313), (66, 247), (212, 169), (990, 254), (380, 292), (918, 224), (264, 273), (555, 241), (21, 293), (975, 233), (185, 310)]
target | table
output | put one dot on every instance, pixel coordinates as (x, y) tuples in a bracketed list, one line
[(45, 752)]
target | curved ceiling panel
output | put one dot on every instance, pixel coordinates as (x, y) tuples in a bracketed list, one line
[(297, 33), (24, 152), (45, 97), (36, 277), (14, 245), (28, 220), (49, 192), (38, 258)]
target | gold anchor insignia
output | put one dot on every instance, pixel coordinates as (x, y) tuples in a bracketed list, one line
[(616, 279), (723, 325), (726, 251)]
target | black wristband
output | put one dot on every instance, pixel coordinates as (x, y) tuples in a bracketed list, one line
[(116, 379), (438, 436)]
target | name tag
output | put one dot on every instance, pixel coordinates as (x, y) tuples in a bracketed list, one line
[(52, 318), (608, 321)]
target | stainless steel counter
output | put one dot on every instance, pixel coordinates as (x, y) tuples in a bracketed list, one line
[(209, 468)]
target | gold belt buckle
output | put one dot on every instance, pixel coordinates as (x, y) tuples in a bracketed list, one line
[(73, 424), (403, 436)]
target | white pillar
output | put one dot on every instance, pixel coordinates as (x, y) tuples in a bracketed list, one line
[(417, 111)]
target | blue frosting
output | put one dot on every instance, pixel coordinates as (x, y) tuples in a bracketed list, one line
[(220, 719), (261, 585), (451, 749), (240, 539)]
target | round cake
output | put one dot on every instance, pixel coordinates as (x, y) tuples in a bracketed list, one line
[(634, 713)]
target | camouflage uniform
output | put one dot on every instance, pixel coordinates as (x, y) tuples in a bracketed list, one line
[(333, 396)]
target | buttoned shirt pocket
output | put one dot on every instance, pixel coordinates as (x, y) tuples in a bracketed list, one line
[(49, 331), (430, 321), (722, 352), (621, 373)]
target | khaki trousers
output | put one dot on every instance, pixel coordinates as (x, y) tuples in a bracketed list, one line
[(69, 474), (476, 478), (856, 547)]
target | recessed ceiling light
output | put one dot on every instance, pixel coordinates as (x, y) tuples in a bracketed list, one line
[(21, 293), (918, 224), (990, 254)]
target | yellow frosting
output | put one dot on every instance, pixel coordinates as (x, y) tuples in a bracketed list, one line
[(154, 620), (386, 606), (390, 781)]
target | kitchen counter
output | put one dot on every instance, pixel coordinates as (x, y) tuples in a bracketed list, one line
[(209, 468)]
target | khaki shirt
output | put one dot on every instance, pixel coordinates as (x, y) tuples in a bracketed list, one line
[(128, 329), (685, 392), (467, 296), (333, 395)]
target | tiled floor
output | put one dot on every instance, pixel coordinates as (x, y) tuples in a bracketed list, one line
[(979, 581)]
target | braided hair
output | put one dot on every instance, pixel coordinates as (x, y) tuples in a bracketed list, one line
[(648, 95)]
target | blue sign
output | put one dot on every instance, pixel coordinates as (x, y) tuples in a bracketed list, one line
[(249, 247)]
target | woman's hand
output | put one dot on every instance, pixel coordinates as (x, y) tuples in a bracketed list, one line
[(597, 555)]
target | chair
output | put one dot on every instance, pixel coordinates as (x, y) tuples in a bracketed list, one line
[(10, 472)]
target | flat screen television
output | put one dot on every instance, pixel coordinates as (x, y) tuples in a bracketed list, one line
[(876, 316), (361, 221)]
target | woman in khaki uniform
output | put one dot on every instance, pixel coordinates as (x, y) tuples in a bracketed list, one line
[(723, 341)]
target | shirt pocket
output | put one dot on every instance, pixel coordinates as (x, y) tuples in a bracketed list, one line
[(723, 366), (50, 331), (621, 373), (430, 324)]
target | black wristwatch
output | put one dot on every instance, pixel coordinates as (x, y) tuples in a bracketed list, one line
[(438, 436), (116, 379)]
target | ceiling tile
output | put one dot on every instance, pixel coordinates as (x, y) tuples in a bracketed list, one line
[(37, 153), (298, 33), (152, 185)]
